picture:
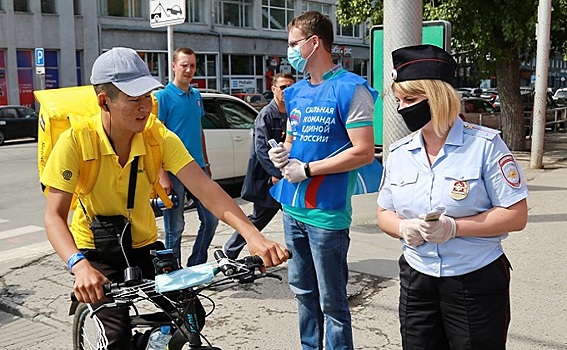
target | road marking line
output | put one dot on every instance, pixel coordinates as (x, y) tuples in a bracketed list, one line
[(3, 221), (26, 251), (20, 231)]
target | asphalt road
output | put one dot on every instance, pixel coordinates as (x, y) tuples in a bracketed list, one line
[(34, 290)]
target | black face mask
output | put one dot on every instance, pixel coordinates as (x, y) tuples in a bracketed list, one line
[(416, 116)]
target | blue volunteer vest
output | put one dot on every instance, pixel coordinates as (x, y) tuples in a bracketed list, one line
[(318, 115)]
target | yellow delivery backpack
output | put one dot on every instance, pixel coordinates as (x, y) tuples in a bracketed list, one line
[(77, 108)]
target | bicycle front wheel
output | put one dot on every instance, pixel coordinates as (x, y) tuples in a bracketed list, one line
[(86, 334)]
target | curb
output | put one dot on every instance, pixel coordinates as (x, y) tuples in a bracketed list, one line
[(18, 310)]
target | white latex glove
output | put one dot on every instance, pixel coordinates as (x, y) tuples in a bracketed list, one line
[(409, 230), (279, 156), (294, 171), (439, 231)]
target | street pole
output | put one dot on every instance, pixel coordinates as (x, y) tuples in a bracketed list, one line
[(540, 98), (403, 20), (170, 52), (42, 81)]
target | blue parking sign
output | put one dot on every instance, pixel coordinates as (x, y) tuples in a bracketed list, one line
[(39, 57)]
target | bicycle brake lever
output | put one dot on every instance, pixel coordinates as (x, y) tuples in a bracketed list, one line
[(272, 275), (248, 278)]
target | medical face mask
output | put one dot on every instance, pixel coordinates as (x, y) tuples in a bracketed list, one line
[(416, 116), (295, 59)]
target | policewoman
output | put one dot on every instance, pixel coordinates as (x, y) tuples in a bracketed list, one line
[(454, 275)]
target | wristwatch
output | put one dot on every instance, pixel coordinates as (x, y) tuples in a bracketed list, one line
[(307, 171)]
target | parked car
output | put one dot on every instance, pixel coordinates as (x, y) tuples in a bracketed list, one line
[(528, 101), (17, 122), (227, 124), (257, 101), (469, 92), (489, 95), (496, 103), (555, 108), (479, 111), (560, 93)]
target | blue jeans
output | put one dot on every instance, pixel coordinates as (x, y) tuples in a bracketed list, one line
[(174, 224), (318, 276)]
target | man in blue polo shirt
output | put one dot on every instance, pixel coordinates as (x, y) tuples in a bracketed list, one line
[(180, 108)]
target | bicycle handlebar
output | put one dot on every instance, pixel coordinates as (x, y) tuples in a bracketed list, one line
[(242, 271), (229, 268)]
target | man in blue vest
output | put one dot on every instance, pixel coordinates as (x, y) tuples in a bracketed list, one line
[(329, 135)]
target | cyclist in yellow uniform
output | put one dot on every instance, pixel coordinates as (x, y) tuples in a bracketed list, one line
[(123, 85)]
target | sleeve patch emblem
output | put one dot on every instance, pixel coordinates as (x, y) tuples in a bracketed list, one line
[(509, 170)]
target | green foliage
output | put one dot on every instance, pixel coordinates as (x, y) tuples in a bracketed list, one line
[(359, 11), (486, 30)]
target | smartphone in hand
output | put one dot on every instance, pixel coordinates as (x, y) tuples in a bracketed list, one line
[(434, 215)]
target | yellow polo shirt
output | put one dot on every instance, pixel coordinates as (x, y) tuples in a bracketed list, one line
[(110, 192)]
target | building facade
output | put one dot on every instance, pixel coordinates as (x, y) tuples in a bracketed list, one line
[(240, 44)]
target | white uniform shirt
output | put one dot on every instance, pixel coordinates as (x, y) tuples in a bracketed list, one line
[(473, 172)]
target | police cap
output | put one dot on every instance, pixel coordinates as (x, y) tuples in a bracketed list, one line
[(423, 62)]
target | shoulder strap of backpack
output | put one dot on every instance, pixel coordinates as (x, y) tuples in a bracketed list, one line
[(153, 140), (87, 140)]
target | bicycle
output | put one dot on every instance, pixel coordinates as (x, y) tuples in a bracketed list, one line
[(179, 308)]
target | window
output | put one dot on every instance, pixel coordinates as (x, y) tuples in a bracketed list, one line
[(205, 76), (48, 6), (152, 60), (196, 11), (121, 8), (25, 112), (237, 13), (317, 6), (237, 116), (21, 6), (242, 73), (9, 113), (51, 69), (360, 67), (352, 31), (222, 113), (77, 7), (240, 65), (25, 77), (276, 14)]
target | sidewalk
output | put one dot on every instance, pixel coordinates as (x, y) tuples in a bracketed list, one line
[(262, 315)]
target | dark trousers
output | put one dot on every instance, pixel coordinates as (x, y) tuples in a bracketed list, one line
[(116, 321), (261, 217), (468, 312)]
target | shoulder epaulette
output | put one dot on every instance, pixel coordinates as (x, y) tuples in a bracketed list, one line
[(401, 142), (480, 131)]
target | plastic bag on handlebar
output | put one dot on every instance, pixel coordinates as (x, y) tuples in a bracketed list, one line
[(185, 278)]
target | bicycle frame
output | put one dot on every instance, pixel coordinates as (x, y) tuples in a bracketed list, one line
[(180, 308)]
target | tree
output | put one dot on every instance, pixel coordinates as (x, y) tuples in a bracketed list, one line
[(495, 35)]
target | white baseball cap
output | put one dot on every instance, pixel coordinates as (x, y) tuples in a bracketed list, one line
[(124, 68)]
